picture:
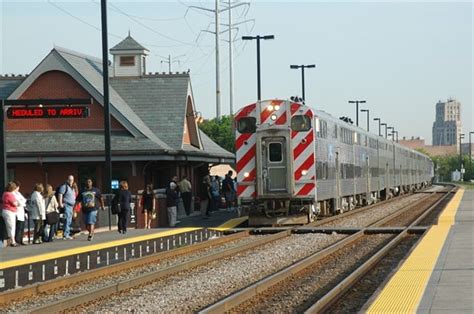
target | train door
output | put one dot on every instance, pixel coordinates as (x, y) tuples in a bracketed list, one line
[(337, 203), (367, 165), (274, 165)]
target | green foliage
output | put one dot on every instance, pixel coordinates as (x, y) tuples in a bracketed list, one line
[(444, 165), (220, 131)]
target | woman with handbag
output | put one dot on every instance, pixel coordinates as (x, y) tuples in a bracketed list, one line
[(52, 212)]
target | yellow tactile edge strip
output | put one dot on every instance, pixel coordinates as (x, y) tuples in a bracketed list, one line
[(232, 223), (89, 248), (404, 291)]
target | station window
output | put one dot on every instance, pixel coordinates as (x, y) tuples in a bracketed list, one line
[(275, 152), (300, 123), (247, 125)]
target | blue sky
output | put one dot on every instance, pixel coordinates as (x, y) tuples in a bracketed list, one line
[(401, 57)]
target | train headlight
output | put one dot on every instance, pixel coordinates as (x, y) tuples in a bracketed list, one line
[(273, 117), (246, 175), (277, 107), (304, 172), (270, 108)]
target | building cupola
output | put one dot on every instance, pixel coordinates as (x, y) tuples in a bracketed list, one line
[(129, 58)]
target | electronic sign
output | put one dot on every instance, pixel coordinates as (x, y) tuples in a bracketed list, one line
[(48, 112)]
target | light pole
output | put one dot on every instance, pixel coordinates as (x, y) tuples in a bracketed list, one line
[(391, 128), (470, 149), (257, 38), (357, 102), (368, 119), (385, 125), (302, 67), (396, 132), (378, 119), (461, 136)]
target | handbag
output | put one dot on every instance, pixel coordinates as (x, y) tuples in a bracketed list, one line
[(52, 218), (153, 214), (115, 208)]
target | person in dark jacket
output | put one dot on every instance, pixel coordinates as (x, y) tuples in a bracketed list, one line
[(172, 197), (124, 200)]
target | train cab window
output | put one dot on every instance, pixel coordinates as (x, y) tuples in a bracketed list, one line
[(275, 153), (300, 123), (247, 125)]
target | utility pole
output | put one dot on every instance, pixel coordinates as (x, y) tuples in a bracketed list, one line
[(302, 67), (170, 61), (231, 64), (461, 136), (357, 102), (385, 125), (470, 150)]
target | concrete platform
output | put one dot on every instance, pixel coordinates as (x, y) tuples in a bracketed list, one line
[(216, 219), (451, 286), (438, 275)]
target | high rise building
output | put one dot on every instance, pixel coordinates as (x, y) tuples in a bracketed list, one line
[(447, 126)]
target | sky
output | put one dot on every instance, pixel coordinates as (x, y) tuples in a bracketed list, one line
[(400, 56)]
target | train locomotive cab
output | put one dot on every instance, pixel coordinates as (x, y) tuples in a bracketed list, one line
[(275, 153)]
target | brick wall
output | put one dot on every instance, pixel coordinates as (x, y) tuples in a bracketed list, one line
[(58, 85)]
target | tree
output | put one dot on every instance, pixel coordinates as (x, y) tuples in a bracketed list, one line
[(220, 131)]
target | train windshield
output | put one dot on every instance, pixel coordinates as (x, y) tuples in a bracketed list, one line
[(300, 123), (247, 125)]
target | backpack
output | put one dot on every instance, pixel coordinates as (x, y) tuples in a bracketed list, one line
[(88, 199), (115, 206), (56, 194)]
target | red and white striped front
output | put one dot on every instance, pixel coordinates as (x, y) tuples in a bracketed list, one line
[(304, 163), (245, 151)]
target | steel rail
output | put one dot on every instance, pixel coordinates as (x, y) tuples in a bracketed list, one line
[(84, 298), (258, 287), (334, 294), (62, 282)]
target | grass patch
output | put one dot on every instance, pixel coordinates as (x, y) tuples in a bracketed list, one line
[(466, 185)]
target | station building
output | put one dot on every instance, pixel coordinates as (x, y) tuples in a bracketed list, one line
[(153, 119)]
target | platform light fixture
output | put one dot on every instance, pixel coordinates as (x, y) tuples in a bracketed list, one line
[(378, 119), (302, 67), (357, 102), (385, 125), (368, 118)]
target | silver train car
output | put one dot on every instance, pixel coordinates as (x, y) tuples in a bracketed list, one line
[(294, 163)]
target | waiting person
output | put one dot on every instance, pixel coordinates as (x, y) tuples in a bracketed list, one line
[(215, 193), (185, 190), (20, 214), (52, 213), (124, 200), (90, 199), (148, 203), (66, 200), (228, 189), (172, 202), (38, 212), (9, 208), (205, 196), (76, 212)]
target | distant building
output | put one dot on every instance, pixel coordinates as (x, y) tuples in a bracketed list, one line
[(447, 126), (419, 143)]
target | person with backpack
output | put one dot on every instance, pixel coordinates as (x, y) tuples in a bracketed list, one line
[(90, 199), (52, 213), (172, 197), (66, 199), (124, 199)]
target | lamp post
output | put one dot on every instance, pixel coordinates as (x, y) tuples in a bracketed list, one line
[(378, 119), (302, 67), (258, 38), (357, 102), (368, 119), (391, 128), (461, 136), (470, 149), (396, 132), (385, 125)]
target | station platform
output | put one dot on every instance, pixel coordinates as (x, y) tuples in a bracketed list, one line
[(29, 264), (438, 275)]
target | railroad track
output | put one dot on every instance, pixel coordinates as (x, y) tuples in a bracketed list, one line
[(316, 282), (83, 301)]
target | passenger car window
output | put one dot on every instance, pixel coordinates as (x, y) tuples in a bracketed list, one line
[(247, 125), (300, 123)]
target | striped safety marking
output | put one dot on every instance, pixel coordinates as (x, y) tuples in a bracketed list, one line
[(303, 154), (245, 150)]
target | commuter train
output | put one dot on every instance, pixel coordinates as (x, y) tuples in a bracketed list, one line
[(295, 163)]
